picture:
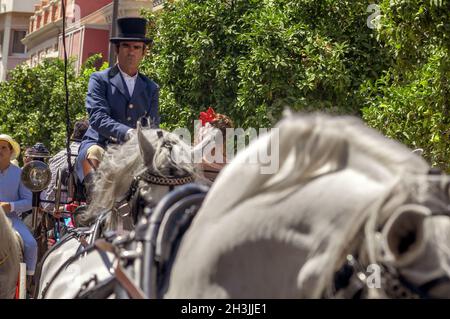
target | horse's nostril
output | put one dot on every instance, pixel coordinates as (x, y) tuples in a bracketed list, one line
[(406, 242)]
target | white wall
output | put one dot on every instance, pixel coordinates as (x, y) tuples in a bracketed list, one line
[(17, 5)]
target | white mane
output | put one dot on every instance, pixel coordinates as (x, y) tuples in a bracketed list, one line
[(9, 257), (7, 235)]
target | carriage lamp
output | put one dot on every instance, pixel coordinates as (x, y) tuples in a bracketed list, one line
[(36, 176)]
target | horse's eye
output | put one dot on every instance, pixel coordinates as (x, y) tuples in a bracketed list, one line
[(435, 171)]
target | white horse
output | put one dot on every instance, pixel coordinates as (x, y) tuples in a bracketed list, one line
[(10, 253), (344, 196), (143, 168)]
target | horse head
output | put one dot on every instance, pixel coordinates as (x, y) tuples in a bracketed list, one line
[(288, 233), (415, 243), (140, 172)]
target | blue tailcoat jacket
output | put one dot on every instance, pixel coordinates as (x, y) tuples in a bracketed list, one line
[(112, 111)]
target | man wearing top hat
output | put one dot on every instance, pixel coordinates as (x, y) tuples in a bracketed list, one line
[(117, 97)]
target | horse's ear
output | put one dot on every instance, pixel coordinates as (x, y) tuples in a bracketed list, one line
[(287, 113), (403, 234), (146, 148)]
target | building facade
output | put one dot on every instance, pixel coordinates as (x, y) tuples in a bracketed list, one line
[(88, 26), (14, 21)]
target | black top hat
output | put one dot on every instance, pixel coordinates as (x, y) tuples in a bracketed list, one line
[(131, 29)]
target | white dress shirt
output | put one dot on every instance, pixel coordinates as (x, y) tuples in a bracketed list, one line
[(130, 81)]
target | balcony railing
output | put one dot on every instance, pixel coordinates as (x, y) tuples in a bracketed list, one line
[(157, 3)]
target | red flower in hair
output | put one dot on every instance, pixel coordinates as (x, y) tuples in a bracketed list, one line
[(208, 116)]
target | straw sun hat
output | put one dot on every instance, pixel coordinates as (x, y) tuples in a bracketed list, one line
[(13, 143)]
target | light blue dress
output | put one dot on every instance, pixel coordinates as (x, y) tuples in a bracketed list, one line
[(14, 192)]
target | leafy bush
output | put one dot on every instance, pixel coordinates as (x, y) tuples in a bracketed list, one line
[(251, 59), (411, 101), (32, 102)]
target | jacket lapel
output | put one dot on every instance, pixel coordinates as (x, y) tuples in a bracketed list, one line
[(116, 79), (139, 87)]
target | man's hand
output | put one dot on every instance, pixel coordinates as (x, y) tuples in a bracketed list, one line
[(6, 207)]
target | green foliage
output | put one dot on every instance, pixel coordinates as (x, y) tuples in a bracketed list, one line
[(409, 27), (32, 102), (251, 59), (416, 111), (411, 101)]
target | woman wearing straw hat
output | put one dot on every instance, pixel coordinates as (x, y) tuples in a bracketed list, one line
[(15, 198)]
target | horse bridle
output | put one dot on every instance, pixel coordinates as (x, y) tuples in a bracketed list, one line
[(166, 180), (353, 276), (171, 180), (397, 286), (124, 208)]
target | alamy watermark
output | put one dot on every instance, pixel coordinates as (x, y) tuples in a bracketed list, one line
[(373, 277), (374, 20)]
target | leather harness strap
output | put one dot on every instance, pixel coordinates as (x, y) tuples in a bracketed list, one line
[(125, 281), (121, 276), (103, 245), (83, 241), (91, 164)]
